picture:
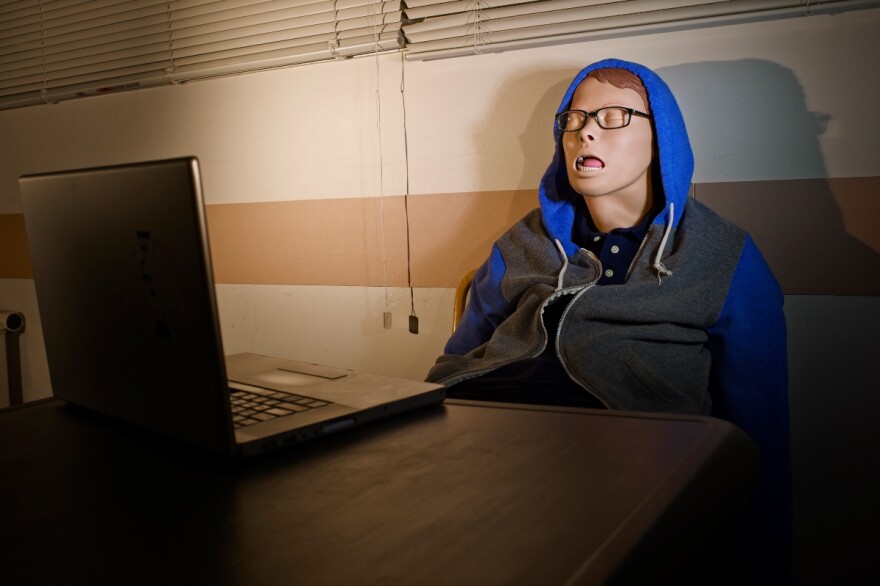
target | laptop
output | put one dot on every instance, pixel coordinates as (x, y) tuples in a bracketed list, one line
[(122, 270)]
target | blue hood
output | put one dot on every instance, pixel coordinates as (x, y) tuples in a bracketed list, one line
[(675, 157)]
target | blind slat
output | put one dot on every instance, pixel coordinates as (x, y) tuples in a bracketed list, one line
[(22, 80), (10, 43), (111, 42), (90, 56), (367, 10), (245, 27), (22, 68), (244, 15), (12, 22), (10, 59), (127, 12), (190, 8), (59, 11), (84, 80), (8, 8), (430, 10), (123, 29), (106, 34), (366, 31), (305, 37), (376, 20), (298, 55)]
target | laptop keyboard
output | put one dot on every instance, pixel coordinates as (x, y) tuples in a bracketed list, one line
[(250, 408)]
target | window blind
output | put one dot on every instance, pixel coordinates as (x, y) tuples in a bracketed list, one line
[(444, 28), (52, 50)]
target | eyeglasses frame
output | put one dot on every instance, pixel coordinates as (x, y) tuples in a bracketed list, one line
[(587, 115)]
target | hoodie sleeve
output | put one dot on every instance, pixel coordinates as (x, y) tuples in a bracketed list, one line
[(485, 310), (749, 386)]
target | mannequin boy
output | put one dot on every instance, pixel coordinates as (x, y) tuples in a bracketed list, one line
[(622, 292)]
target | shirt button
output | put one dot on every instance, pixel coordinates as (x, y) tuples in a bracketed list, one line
[(615, 249), (597, 238), (609, 273)]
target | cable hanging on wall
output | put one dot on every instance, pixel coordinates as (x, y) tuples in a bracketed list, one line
[(386, 316), (413, 318)]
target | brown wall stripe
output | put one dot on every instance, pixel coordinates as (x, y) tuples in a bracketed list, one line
[(339, 241), (310, 242), (820, 236)]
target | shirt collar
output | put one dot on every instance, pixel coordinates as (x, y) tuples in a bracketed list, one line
[(584, 231)]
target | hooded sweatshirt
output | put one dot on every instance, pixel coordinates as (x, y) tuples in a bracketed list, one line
[(696, 326)]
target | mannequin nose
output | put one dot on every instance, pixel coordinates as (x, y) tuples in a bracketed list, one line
[(590, 130)]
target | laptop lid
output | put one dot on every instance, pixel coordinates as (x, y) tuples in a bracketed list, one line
[(124, 285), (122, 268)]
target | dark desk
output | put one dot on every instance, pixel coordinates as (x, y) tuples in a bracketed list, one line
[(454, 494)]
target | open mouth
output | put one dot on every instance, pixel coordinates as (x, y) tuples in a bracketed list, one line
[(589, 163)]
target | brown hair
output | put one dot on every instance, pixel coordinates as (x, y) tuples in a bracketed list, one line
[(622, 79)]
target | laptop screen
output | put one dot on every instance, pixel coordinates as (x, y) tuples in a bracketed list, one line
[(123, 276)]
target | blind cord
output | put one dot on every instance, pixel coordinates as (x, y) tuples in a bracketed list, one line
[(386, 316)]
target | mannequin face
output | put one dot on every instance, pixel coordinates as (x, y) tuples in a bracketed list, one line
[(605, 163)]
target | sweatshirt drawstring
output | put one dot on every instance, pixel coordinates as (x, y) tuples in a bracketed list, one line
[(658, 265), (564, 263)]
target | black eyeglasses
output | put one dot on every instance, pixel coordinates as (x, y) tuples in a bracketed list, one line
[(608, 118)]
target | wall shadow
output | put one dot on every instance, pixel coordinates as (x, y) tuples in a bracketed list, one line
[(754, 136)]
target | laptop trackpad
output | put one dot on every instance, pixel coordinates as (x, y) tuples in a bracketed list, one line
[(297, 376)]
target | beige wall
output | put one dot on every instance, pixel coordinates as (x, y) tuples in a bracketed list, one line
[(768, 102), (763, 101)]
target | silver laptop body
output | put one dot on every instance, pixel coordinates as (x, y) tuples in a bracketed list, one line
[(122, 269)]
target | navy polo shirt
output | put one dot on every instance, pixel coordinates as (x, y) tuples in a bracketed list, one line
[(616, 249)]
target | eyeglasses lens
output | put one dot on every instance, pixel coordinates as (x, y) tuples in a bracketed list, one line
[(570, 121), (612, 117)]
